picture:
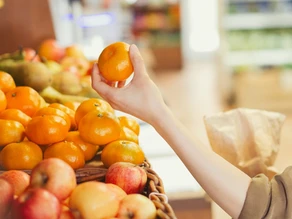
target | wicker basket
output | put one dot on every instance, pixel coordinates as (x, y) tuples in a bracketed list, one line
[(154, 188)]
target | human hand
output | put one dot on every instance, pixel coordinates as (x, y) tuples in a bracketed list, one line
[(140, 97)]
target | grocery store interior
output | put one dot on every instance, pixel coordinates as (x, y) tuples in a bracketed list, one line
[(206, 57)]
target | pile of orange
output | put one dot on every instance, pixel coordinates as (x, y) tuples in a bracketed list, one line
[(32, 130)]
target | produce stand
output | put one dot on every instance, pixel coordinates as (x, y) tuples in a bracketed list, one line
[(41, 30)]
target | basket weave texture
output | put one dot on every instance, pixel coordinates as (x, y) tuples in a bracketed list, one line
[(154, 188)]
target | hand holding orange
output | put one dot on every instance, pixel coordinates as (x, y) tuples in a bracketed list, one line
[(114, 62)]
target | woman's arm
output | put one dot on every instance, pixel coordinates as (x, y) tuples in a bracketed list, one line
[(223, 182)]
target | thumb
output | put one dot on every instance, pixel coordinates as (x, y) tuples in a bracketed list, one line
[(137, 61)]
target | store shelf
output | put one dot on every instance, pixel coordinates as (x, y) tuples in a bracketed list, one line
[(257, 21), (264, 57), (158, 27)]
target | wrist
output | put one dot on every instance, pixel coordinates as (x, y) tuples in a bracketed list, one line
[(160, 116)]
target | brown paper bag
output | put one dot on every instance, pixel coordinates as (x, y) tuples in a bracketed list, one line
[(247, 138)]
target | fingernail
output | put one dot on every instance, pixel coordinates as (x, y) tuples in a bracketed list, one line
[(134, 48)]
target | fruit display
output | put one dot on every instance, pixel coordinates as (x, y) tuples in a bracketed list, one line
[(71, 159), (59, 74)]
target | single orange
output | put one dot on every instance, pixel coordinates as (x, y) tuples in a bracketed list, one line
[(3, 101), (99, 128), (89, 150), (24, 155), (10, 132), (122, 151), (66, 151), (56, 112), (128, 134), (130, 123), (114, 62), (16, 115), (72, 105), (67, 110), (25, 99), (7, 82), (92, 104), (46, 129)]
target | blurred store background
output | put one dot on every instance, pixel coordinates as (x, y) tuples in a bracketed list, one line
[(205, 56)]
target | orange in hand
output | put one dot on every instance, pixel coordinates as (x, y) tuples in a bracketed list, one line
[(7, 82), (16, 115), (66, 151), (99, 128), (114, 62), (92, 104), (46, 129), (10, 132), (23, 155), (25, 99), (89, 150), (122, 151)]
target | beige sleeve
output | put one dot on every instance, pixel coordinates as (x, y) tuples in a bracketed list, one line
[(269, 199)]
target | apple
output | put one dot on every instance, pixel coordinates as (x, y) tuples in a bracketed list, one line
[(31, 55), (51, 50), (130, 177), (18, 179), (136, 206), (76, 65), (74, 50), (6, 198), (35, 203), (94, 200), (55, 175)]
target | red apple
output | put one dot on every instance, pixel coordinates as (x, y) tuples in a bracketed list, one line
[(76, 65), (136, 206), (94, 200), (55, 175), (31, 55), (6, 198), (36, 203), (51, 50), (130, 177), (18, 179)]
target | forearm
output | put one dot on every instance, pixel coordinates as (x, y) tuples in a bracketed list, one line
[(223, 182)]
